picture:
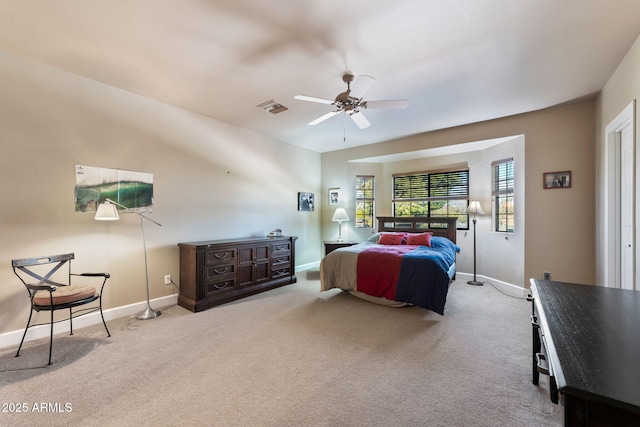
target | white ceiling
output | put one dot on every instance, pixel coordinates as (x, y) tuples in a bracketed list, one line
[(458, 61)]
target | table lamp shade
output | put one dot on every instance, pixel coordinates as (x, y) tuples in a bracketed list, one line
[(340, 215)]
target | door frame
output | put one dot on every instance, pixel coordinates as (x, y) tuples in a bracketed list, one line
[(611, 199)]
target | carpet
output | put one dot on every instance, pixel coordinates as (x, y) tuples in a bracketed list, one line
[(291, 356)]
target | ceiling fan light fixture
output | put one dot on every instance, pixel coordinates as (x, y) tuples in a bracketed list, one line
[(352, 99)]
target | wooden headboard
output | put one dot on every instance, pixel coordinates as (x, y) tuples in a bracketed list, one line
[(439, 226)]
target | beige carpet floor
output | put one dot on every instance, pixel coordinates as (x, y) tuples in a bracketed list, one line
[(289, 357)]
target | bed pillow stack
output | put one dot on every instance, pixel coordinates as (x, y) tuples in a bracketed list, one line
[(392, 238), (416, 239), (422, 239)]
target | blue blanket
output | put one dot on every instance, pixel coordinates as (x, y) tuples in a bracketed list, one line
[(413, 274)]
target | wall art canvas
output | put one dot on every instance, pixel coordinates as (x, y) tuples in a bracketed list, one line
[(94, 185), (305, 202), (334, 196), (556, 180)]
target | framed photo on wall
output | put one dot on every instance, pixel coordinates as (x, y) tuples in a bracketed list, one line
[(556, 180), (305, 201), (334, 196)]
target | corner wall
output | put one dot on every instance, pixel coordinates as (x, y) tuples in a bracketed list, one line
[(559, 227), (621, 90), (211, 181)]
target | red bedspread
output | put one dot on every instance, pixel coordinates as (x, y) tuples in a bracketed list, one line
[(417, 275), (379, 270)]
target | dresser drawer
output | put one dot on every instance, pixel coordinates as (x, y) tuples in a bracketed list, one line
[(280, 248), (215, 288), (277, 272), (278, 260), (220, 256), (219, 272)]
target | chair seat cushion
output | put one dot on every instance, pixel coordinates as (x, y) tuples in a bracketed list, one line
[(64, 295)]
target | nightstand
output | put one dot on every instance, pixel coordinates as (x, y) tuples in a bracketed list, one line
[(332, 245)]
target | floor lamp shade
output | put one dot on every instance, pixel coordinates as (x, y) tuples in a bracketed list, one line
[(339, 216), (108, 211), (474, 209)]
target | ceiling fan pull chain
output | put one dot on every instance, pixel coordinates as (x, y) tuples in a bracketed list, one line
[(344, 127)]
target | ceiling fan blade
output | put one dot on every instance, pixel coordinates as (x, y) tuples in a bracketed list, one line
[(361, 85), (323, 118), (359, 119), (394, 103), (312, 99)]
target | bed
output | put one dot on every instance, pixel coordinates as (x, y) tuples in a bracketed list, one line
[(409, 261)]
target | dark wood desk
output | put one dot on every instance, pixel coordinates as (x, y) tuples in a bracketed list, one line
[(591, 337)]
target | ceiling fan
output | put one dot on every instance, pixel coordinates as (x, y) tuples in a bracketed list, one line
[(351, 101)]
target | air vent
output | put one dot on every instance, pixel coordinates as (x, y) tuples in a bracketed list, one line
[(272, 107)]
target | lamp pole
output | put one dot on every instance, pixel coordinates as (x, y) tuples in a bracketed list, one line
[(474, 281), (474, 208), (148, 312)]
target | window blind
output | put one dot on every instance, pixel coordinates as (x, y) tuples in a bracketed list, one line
[(448, 185)]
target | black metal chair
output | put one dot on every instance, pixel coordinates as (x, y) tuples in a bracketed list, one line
[(48, 295)]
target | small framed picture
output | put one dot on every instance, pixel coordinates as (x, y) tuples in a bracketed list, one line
[(334, 196), (556, 180), (305, 202)]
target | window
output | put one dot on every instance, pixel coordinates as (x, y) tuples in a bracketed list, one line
[(502, 195), (442, 194), (365, 198)]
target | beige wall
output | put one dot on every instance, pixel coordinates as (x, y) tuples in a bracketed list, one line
[(211, 181), (622, 89), (558, 232)]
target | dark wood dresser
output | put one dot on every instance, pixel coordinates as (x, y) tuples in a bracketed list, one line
[(219, 271), (587, 339)]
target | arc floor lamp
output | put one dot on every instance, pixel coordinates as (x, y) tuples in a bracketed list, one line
[(108, 211), (474, 209)]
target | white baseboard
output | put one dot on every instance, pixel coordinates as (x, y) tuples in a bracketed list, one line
[(9, 339), (503, 286), (308, 266), (13, 338)]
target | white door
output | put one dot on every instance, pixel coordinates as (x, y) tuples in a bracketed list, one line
[(626, 229), (618, 251)]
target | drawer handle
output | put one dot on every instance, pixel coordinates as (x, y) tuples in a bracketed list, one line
[(542, 369), (226, 254), (221, 270), (284, 258), (282, 271), (281, 247), (223, 286)]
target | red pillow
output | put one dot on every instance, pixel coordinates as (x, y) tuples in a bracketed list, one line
[(422, 239), (392, 239)]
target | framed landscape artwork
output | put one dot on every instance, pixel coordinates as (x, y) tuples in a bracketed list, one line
[(94, 185)]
